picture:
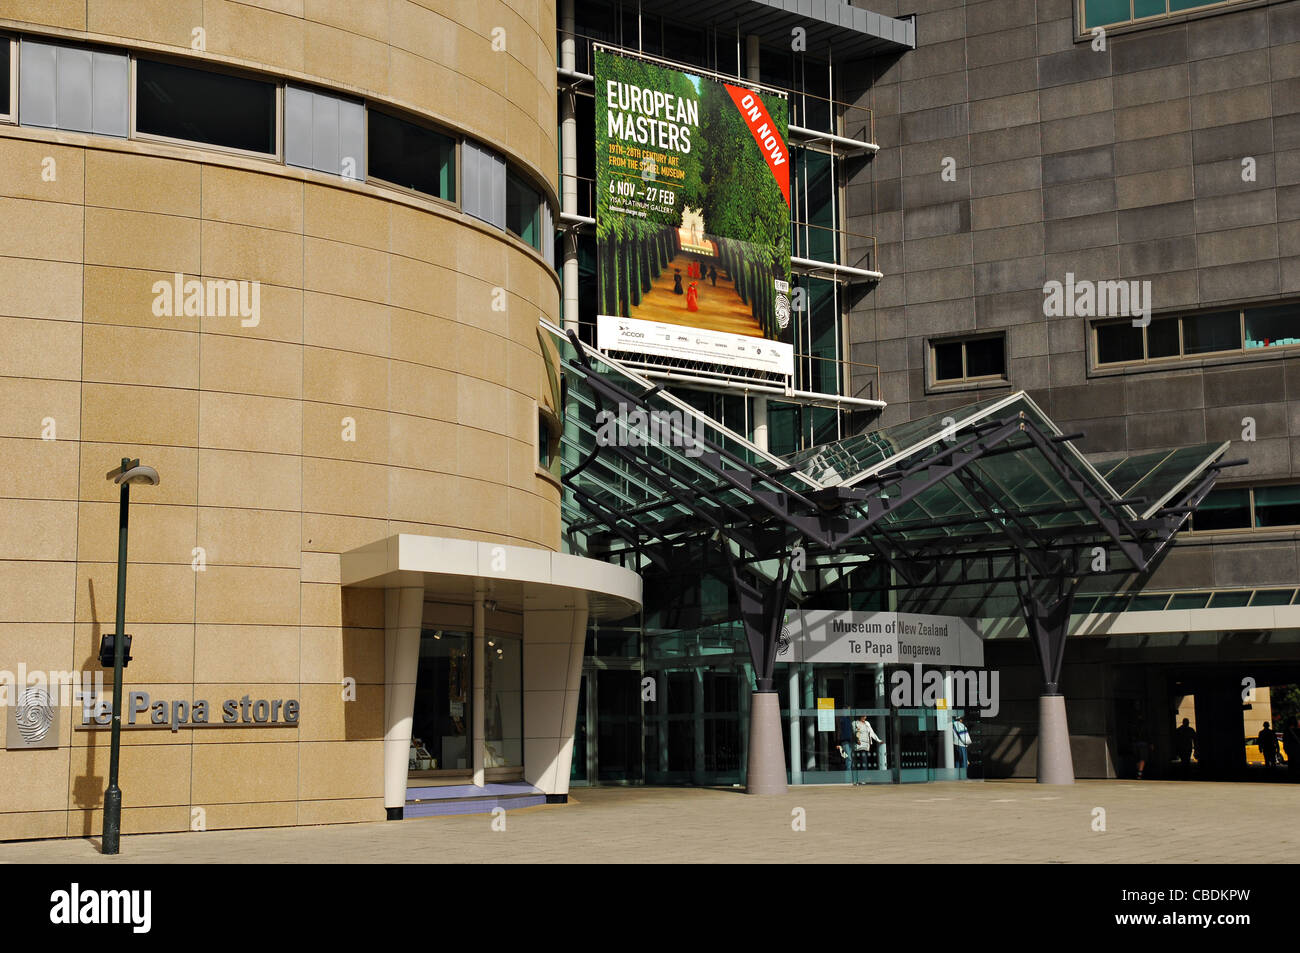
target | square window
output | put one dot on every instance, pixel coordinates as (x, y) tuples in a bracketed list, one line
[(1272, 327), (1223, 509), (1148, 8), (6, 90), (218, 109), (1211, 333), (412, 156), (1277, 505), (985, 357), (1162, 338), (521, 209), (947, 361), (1103, 12), (1117, 343)]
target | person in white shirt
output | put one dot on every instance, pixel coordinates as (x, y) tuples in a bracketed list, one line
[(961, 742), (864, 736)]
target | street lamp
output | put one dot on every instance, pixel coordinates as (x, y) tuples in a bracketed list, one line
[(130, 472)]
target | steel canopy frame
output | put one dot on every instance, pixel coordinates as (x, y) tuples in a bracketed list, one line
[(749, 508)]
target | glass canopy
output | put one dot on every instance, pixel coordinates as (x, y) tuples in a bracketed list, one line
[(961, 505)]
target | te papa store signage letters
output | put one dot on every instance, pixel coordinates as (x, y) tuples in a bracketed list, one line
[(175, 714)]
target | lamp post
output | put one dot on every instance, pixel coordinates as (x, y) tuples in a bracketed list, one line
[(130, 472)]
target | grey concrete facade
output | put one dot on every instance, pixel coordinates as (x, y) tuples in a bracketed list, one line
[(1123, 163)]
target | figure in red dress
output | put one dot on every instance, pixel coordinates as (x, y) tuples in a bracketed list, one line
[(692, 298)]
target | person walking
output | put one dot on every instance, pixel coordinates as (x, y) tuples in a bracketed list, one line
[(1185, 742), (1267, 738)]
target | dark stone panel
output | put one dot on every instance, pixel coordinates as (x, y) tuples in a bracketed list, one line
[(937, 25), (1290, 269), (889, 195), (1101, 434), (1236, 245), (924, 253), (1168, 391), (1153, 119), (1186, 567), (1014, 175), (1233, 141), (1078, 166), (1288, 166), (1163, 46), (921, 157), (1104, 397), (1015, 241), (1015, 307), (995, 277), (1288, 239), (1003, 111), (1075, 99), (1232, 106), (1056, 36), (1063, 135), (1247, 68), (1269, 459), (932, 189), (1080, 198), (942, 123), (1151, 86), (1002, 47), (1224, 423), (933, 91), (1254, 383), (940, 317), (1172, 289), (947, 219), (1003, 79), (1068, 369), (1154, 188), (1260, 564), (1217, 36), (1074, 66), (1093, 264), (939, 284), (1085, 231), (1284, 23), (1286, 96), (1065, 334), (1027, 373), (1028, 340), (933, 57), (998, 145), (1156, 221), (1014, 208), (1165, 430), (1224, 178), (1243, 280), (994, 15), (1149, 155), (1160, 255)]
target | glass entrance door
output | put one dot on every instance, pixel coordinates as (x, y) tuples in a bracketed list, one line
[(440, 727), (618, 725)]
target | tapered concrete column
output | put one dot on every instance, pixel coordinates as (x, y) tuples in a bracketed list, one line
[(1055, 766), (403, 610), (480, 682), (752, 56), (766, 774), (796, 739), (948, 759)]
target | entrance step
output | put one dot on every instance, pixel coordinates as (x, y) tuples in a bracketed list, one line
[(436, 800)]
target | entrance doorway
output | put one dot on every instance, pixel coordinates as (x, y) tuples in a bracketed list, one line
[(442, 716)]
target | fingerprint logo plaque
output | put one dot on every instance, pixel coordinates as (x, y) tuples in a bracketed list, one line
[(33, 722)]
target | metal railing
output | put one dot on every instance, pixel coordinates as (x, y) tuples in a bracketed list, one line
[(812, 118)]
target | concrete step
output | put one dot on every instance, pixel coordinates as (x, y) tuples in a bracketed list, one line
[(436, 800)]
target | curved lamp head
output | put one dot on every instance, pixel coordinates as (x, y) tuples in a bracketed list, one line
[(146, 476)]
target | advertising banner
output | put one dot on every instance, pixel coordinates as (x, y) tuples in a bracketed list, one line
[(692, 217)]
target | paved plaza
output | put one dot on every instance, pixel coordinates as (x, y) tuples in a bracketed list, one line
[(974, 822)]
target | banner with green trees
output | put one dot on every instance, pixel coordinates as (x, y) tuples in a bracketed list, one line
[(692, 212)]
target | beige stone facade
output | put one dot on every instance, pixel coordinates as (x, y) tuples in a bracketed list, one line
[(376, 313)]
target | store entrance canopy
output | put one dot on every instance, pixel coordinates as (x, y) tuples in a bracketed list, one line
[(987, 501)]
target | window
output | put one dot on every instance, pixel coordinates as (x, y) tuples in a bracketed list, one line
[(1095, 13), (969, 359), (1260, 507), (218, 109), (485, 185), (324, 133), (414, 157), (1195, 335), (521, 209), (67, 87), (6, 78)]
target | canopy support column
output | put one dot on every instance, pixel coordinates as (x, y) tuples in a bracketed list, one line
[(762, 611), (1048, 622)]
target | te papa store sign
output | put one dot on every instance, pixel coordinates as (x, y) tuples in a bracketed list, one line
[(142, 712), (897, 638)]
